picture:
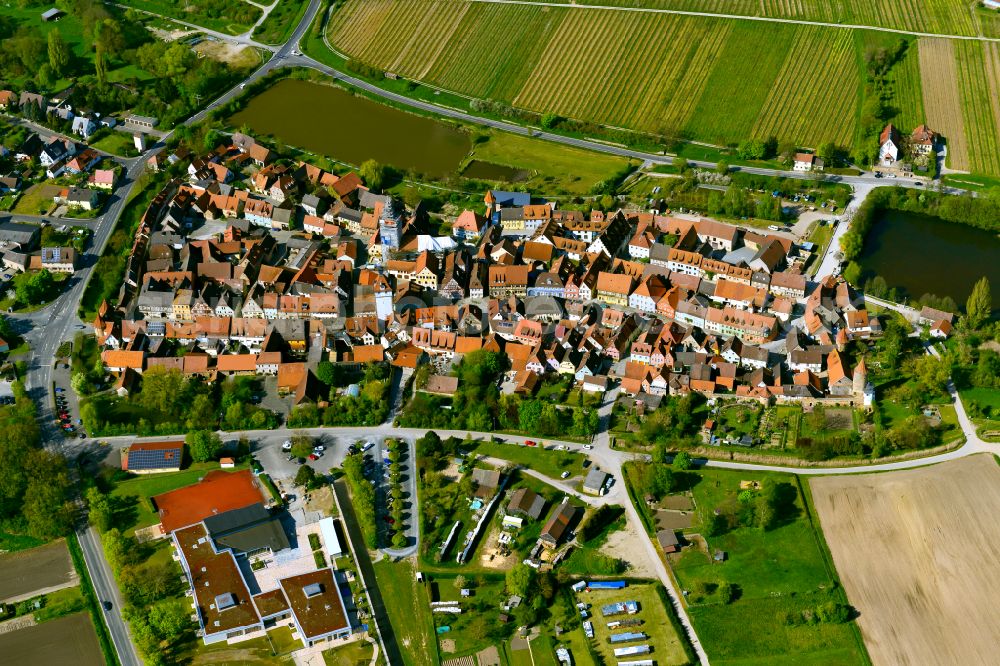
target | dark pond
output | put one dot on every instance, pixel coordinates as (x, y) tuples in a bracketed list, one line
[(488, 171), (926, 255), (333, 122)]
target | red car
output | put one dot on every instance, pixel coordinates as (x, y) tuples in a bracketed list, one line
[(390, 520), (313, 456), (530, 442)]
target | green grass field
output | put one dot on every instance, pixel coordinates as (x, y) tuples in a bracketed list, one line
[(681, 76), (551, 463), (554, 165), (116, 143), (228, 17), (409, 612), (667, 646), (278, 25), (781, 570)]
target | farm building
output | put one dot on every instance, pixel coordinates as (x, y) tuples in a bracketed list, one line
[(487, 481), (152, 457), (558, 524), (526, 502), (668, 541), (594, 483)]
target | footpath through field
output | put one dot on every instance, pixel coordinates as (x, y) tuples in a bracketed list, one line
[(742, 17)]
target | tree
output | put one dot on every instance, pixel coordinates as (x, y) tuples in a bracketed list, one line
[(373, 174), (327, 373), (100, 512), (722, 167), (204, 445), (853, 273), (58, 53), (521, 580), (302, 445), (681, 163), (33, 288), (751, 149), (682, 462), (459, 582), (169, 618), (399, 539), (46, 508), (979, 305), (305, 477), (78, 382), (727, 593)]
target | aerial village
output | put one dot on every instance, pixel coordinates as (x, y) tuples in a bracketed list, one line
[(254, 265)]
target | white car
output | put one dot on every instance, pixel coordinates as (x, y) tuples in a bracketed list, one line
[(774, 227), (367, 446), (588, 446), (287, 446), (319, 448), (564, 475)]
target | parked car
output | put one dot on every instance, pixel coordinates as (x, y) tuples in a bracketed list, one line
[(530, 442), (319, 448), (286, 446), (564, 475), (390, 520), (588, 446), (313, 456)]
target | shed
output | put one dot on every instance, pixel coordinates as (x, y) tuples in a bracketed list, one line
[(594, 483), (668, 541), (330, 539), (52, 14)]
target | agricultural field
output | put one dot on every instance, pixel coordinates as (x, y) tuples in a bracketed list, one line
[(28, 572), (67, 640), (979, 80), (689, 76), (916, 550), (952, 17)]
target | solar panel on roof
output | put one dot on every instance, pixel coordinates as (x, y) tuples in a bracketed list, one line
[(139, 459)]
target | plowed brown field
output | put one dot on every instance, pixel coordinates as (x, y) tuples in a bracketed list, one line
[(918, 552)]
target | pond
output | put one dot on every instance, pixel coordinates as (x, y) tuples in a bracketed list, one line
[(927, 255), (333, 122), (481, 170)]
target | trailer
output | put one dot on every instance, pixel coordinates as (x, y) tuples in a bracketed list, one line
[(629, 651), (627, 637), (640, 662), (588, 629), (606, 585), (579, 587)]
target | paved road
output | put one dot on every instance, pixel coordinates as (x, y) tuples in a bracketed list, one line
[(742, 17), (107, 590)]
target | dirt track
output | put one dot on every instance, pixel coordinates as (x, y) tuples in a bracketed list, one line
[(918, 553)]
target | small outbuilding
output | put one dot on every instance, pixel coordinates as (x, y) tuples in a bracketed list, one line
[(668, 541)]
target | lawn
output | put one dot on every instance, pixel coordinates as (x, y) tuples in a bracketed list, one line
[(278, 25), (784, 569), (409, 611), (116, 143), (468, 630), (549, 462), (554, 165), (667, 645), (358, 653), (36, 200), (233, 17)]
